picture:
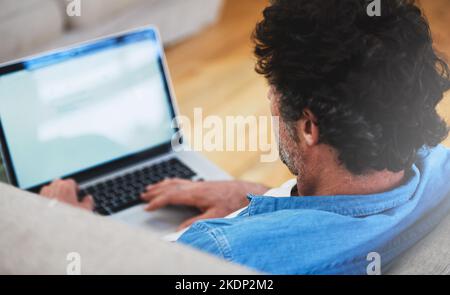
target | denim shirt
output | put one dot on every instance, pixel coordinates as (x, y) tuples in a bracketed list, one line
[(332, 234)]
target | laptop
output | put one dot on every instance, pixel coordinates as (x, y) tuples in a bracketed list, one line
[(102, 113)]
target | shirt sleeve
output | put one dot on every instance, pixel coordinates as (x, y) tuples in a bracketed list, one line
[(205, 239)]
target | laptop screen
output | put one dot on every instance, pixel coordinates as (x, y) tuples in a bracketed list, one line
[(69, 111)]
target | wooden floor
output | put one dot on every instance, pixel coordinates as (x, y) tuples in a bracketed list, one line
[(214, 71)]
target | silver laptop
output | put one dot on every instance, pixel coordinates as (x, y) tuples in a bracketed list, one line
[(103, 114)]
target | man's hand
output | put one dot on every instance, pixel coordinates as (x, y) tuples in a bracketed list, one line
[(66, 191), (215, 199)]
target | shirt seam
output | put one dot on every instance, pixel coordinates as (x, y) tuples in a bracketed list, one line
[(217, 235), (224, 246), (356, 212)]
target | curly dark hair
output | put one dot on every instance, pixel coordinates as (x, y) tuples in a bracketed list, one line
[(372, 82)]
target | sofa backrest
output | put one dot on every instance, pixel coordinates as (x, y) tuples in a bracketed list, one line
[(92, 12), (32, 26), (27, 24), (39, 236)]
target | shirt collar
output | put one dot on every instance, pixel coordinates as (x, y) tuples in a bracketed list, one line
[(349, 205)]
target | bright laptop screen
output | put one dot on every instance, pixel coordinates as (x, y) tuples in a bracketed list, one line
[(69, 111)]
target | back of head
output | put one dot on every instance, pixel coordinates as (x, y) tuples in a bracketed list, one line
[(372, 82)]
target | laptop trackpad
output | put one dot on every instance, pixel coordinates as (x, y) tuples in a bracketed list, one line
[(163, 221)]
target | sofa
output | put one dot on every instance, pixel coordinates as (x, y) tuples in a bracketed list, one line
[(38, 234), (31, 26)]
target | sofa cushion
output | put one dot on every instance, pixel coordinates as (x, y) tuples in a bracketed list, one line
[(26, 24)]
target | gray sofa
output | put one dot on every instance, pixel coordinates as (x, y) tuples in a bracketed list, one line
[(37, 235), (32, 26)]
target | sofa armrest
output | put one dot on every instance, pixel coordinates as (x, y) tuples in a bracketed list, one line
[(37, 235), (431, 256)]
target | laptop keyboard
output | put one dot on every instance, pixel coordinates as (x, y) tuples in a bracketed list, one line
[(124, 191)]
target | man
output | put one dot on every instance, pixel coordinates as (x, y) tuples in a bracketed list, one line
[(357, 99)]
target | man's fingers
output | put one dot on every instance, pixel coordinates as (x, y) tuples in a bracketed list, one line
[(171, 198), (189, 222), (157, 203), (177, 187), (45, 191), (59, 185), (65, 188), (72, 184), (67, 191), (167, 182), (88, 203), (149, 195), (162, 183)]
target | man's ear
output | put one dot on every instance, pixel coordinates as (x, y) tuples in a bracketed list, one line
[(308, 130)]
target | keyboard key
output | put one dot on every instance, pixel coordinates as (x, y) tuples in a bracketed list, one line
[(124, 191)]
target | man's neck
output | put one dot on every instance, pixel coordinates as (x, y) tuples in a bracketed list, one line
[(331, 183)]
